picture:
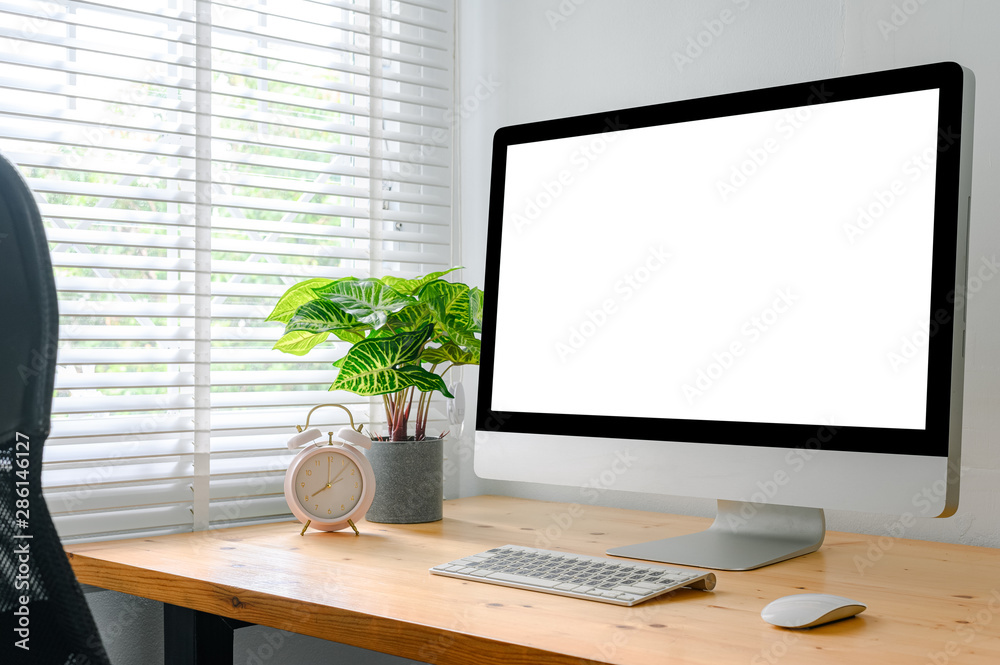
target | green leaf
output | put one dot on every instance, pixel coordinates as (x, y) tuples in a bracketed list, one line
[(298, 295), (384, 332), (476, 308), (373, 366), (411, 286), (449, 303), (321, 316), (409, 318), (299, 342), (424, 381), (352, 335), (368, 300), (451, 352)]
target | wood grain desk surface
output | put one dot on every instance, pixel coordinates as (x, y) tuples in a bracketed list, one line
[(927, 602)]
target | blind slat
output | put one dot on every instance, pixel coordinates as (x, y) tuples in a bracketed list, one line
[(175, 224), (93, 380), (134, 74)]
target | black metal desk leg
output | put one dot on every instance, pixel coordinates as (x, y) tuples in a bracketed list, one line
[(191, 637)]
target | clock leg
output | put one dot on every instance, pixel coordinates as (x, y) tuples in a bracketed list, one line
[(303, 532), (356, 532)]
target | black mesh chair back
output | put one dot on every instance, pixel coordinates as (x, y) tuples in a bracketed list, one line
[(41, 603)]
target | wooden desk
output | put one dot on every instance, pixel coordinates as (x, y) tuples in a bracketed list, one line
[(928, 602)]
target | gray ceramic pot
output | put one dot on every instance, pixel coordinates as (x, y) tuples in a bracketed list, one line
[(409, 481)]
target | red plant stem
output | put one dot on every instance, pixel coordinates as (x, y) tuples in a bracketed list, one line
[(420, 428), (410, 403), (389, 413), (399, 420)]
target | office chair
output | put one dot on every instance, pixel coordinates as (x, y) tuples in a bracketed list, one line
[(33, 566)]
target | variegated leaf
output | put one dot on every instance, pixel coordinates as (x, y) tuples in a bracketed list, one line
[(298, 295), (476, 308), (321, 316), (371, 366), (424, 381), (451, 352), (368, 300), (411, 286), (450, 306), (352, 335), (299, 342), (411, 317)]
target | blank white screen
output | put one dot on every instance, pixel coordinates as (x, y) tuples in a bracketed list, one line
[(779, 301)]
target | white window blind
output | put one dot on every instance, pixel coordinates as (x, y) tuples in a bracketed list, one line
[(192, 159)]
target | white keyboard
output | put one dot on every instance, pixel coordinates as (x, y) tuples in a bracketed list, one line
[(622, 582)]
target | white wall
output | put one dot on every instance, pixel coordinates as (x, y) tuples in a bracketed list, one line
[(551, 58)]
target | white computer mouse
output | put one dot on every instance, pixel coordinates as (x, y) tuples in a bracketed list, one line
[(806, 610)]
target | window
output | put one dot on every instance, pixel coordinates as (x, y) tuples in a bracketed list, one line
[(191, 160)]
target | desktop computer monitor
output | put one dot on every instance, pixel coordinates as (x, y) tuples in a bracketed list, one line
[(756, 297)]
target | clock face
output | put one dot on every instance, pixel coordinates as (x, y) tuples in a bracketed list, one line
[(328, 485)]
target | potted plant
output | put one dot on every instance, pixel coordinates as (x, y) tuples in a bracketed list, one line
[(405, 335)]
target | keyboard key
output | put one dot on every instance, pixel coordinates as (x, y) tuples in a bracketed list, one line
[(534, 581), (595, 578)]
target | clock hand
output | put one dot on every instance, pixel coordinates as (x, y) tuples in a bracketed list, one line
[(338, 475), (327, 486)]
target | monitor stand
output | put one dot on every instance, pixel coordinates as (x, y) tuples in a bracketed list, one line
[(744, 536)]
